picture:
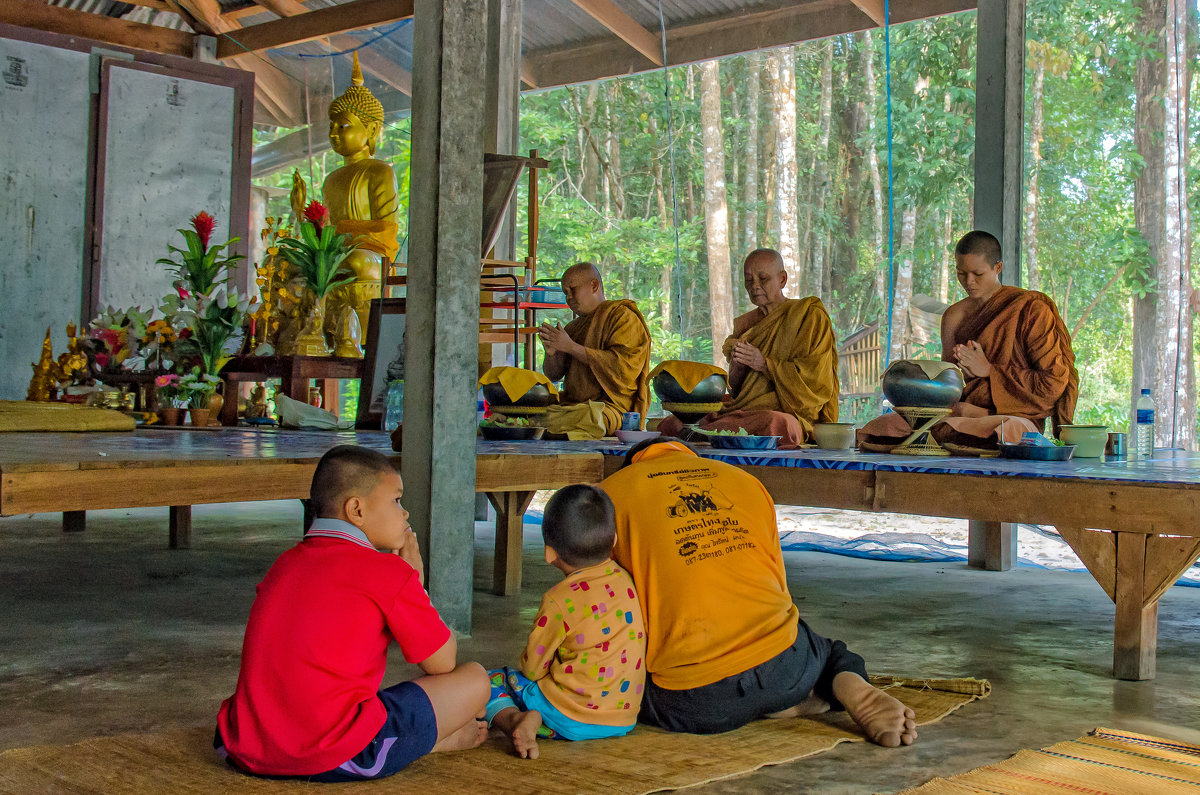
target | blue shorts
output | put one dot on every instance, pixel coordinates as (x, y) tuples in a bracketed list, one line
[(409, 732), (511, 688)]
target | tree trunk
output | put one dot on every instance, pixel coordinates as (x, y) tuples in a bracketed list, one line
[(716, 213), (1161, 334), (750, 167), (944, 261), (881, 258), (904, 282), (1037, 100), (782, 77), (819, 231), (589, 181)]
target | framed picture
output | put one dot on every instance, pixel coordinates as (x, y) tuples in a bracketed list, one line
[(383, 359)]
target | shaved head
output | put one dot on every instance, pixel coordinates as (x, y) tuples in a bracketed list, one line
[(765, 277), (583, 288)]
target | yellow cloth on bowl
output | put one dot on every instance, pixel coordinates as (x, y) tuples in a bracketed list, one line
[(687, 374), (579, 421), (22, 415), (516, 381), (931, 367)]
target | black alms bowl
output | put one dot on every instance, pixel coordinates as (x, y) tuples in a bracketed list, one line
[(536, 397), (710, 390), (905, 384)]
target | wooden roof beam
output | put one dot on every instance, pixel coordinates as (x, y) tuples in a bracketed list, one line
[(625, 27), (315, 25), (872, 8), (111, 30), (718, 37)]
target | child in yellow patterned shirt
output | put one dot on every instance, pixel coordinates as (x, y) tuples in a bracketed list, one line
[(582, 673)]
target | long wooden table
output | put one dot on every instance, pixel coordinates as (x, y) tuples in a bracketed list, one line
[(76, 472), (1135, 524)]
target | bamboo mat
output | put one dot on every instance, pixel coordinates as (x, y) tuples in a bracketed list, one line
[(181, 761), (1105, 761)]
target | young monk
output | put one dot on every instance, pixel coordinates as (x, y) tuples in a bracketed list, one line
[(308, 702), (1011, 344), (783, 361), (582, 673)]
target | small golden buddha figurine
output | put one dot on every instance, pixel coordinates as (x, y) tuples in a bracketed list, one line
[(363, 201), (258, 408), (45, 373)]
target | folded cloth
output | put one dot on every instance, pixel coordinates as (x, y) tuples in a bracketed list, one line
[(578, 421), (295, 414), (24, 415), (516, 381), (966, 428), (687, 374)]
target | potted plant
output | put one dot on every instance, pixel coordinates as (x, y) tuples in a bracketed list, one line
[(202, 266), (199, 387), (216, 325), (171, 400), (318, 257)]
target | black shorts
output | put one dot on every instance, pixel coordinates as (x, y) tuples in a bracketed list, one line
[(805, 667)]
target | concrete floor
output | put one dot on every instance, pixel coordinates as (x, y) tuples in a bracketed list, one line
[(108, 632)]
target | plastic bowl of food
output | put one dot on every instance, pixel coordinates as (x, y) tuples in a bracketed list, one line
[(726, 441), (633, 437), (511, 433), (1034, 452)]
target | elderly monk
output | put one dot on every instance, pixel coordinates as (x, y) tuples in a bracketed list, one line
[(1013, 348), (783, 361), (603, 357)]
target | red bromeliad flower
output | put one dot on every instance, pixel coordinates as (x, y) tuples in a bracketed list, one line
[(203, 223), (316, 214)]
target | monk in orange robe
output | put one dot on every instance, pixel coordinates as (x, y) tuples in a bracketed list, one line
[(1013, 348), (783, 361), (603, 357)]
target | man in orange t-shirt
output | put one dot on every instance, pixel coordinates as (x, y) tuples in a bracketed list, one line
[(725, 644)]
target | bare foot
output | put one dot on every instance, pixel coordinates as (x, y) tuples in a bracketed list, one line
[(470, 735), (813, 705), (524, 734), (885, 719)]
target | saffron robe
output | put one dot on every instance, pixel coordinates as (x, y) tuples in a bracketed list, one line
[(616, 373), (1029, 348), (800, 385)]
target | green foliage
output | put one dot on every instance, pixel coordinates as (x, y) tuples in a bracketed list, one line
[(200, 269), (318, 257)]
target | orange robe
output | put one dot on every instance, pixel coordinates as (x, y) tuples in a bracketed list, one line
[(800, 385), (617, 371), (1029, 348)]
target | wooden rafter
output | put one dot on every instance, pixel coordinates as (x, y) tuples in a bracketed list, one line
[(157, 5), (314, 25), (625, 27), (111, 30), (872, 8)]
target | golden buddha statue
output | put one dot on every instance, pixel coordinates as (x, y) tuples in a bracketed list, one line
[(45, 374), (363, 201)]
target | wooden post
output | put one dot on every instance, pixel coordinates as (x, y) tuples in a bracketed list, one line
[(74, 521), (181, 527), (1135, 638), (446, 219), (991, 546), (1000, 127), (510, 528)]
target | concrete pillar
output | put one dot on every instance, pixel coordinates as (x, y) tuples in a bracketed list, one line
[(1000, 127), (502, 133), (445, 215)]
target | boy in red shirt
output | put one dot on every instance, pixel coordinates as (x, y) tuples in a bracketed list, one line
[(308, 702)]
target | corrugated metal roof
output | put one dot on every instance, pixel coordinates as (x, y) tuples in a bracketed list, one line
[(132, 13)]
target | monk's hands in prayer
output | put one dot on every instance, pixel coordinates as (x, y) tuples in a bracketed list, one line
[(556, 340), (971, 359), (746, 354)]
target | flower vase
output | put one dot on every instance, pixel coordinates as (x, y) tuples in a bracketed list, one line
[(311, 340), (215, 403), (348, 334), (199, 417), (170, 415)]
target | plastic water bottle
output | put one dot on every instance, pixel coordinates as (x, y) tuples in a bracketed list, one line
[(1145, 425), (393, 409)]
